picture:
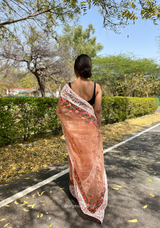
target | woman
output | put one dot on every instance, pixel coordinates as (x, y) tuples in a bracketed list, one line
[(81, 127)]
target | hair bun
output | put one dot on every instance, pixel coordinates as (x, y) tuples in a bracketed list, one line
[(86, 73)]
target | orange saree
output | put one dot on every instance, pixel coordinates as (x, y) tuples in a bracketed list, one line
[(88, 180)]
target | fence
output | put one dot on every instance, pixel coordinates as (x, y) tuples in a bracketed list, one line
[(158, 99)]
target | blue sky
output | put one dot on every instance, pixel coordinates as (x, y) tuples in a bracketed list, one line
[(141, 41)]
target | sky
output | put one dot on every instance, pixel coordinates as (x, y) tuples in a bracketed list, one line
[(138, 39)]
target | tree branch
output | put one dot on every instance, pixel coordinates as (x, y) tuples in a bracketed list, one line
[(31, 16), (34, 14), (142, 5), (49, 76)]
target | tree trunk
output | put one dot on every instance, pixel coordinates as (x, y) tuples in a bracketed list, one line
[(42, 92), (42, 86), (41, 83)]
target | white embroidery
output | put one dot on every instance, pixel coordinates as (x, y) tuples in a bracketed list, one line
[(72, 191)]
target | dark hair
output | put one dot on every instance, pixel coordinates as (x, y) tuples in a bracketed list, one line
[(83, 66)]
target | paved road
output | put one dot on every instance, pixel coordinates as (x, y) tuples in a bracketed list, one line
[(135, 166)]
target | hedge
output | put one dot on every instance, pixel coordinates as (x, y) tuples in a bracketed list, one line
[(22, 117), (116, 109)]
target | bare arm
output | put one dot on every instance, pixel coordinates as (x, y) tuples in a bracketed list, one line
[(97, 105)]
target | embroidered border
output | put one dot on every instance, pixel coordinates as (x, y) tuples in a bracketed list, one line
[(68, 94)]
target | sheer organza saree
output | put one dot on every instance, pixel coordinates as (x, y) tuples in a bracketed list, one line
[(88, 181)]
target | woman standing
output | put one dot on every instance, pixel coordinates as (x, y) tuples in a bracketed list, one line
[(79, 110)]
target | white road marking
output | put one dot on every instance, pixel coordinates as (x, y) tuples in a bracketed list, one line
[(133, 137), (48, 180), (32, 188)]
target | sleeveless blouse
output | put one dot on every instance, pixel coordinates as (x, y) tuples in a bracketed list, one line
[(92, 100)]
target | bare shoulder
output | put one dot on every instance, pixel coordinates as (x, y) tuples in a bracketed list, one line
[(98, 88)]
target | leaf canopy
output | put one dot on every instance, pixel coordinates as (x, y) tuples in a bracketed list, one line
[(47, 14), (77, 40)]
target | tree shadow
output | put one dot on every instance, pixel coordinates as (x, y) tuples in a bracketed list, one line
[(138, 159)]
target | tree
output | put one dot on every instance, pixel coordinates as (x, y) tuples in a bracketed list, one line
[(47, 13), (10, 77), (78, 41), (110, 70), (42, 13), (39, 56), (27, 81), (138, 85)]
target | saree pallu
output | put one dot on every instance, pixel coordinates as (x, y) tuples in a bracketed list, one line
[(88, 180)]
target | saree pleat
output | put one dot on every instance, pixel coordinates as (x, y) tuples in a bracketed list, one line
[(88, 180)]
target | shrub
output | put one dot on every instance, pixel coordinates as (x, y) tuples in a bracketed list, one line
[(116, 109), (22, 117)]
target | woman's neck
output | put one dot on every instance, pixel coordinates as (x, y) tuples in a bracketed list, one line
[(79, 78)]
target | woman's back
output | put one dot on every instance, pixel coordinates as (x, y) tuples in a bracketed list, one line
[(84, 88)]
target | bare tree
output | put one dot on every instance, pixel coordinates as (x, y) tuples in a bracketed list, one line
[(38, 55)]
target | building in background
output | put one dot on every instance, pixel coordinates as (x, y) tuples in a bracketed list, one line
[(29, 92), (16, 91)]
